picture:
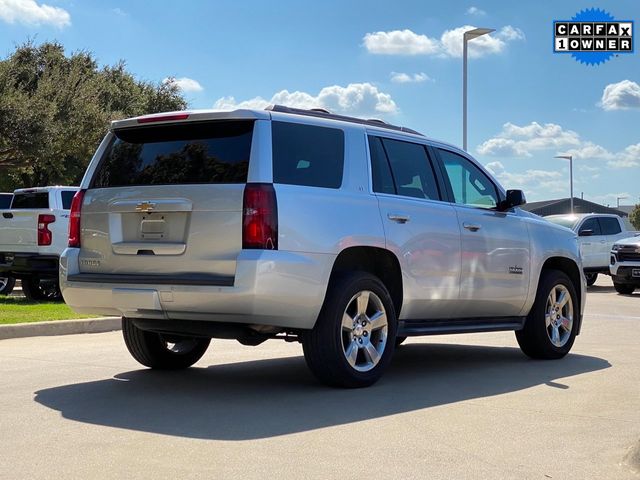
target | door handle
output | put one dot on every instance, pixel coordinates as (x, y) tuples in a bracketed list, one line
[(471, 226), (398, 217)]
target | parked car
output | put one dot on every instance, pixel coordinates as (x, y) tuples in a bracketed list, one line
[(6, 283), (625, 265), (33, 234), (597, 232), (344, 234)]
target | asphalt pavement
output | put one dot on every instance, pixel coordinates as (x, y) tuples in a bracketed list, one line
[(450, 407)]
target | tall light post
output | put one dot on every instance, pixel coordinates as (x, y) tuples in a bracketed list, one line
[(570, 158), (468, 35), (620, 198)]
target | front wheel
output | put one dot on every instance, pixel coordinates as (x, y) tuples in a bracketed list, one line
[(39, 289), (550, 328), (623, 289), (161, 351), (591, 278), (353, 339), (6, 285)]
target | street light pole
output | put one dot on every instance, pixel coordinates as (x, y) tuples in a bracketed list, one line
[(620, 198), (468, 35), (570, 158)]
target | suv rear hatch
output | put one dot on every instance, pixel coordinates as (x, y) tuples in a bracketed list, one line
[(165, 203), (19, 226)]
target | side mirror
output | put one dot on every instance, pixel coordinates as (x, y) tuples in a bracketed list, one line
[(515, 198), (587, 232)]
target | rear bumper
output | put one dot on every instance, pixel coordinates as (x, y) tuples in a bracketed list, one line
[(274, 288), (21, 265)]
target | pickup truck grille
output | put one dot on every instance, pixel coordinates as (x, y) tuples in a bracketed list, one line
[(628, 256)]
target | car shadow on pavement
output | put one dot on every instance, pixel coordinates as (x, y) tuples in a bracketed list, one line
[(266, 398)]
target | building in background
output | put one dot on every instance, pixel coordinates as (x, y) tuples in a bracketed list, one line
[(562, 206)]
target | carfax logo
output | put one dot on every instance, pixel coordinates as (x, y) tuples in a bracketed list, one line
[(593, 36)]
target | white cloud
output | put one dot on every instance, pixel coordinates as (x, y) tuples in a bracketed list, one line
[(400, 42), (185, 84), (628, 158), (354, 99), (397, 77), (516, 141), (611, 199), (476, 11), (531, 181), (621, 96), (406, 42), (29, 12)]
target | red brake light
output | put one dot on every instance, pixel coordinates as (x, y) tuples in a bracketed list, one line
[(259, 217), (74, 219), (163, 118), (44, 234)]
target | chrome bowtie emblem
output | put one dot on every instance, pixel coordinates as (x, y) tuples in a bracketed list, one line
[(145, 206)]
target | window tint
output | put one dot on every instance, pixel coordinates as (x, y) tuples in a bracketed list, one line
[(411, 168), (67, 197), (5, 200), (307, 155), (189, 153), (469, 184), (591, 224), (30, 200), (380, 172), (609, 226)]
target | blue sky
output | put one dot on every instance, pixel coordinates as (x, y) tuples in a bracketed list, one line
[(399, 61)]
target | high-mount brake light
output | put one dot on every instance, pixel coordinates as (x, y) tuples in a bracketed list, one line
[(259, 217), (163, 118), (45, 236), (74, 219)]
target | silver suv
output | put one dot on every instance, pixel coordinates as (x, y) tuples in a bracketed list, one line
[(344, 234)]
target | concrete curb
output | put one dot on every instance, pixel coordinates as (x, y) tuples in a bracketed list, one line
[(60, 327)]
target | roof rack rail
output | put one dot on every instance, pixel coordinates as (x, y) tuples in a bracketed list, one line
[(321, 113)]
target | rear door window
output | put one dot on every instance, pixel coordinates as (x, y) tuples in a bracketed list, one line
[(189, 153), (609, 226), (67, 198), (27, 200), (307, 155), (5, 200)]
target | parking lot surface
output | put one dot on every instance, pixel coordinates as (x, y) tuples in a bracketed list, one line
[(459, 407)]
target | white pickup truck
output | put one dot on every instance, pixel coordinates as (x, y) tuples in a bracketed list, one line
[(597, 232), (33, 234)]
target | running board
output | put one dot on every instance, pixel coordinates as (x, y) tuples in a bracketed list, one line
[(410, 328)]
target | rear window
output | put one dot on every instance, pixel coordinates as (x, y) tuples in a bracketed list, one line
[(28, 200), (190, 153), (67, 198), (307, 155)]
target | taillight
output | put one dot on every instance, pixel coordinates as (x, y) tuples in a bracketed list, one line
[(259, 217), (44, 234), (163, 118), (74, 219)]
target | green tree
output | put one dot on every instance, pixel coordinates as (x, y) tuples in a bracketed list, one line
[(634, 217), (55, 109)]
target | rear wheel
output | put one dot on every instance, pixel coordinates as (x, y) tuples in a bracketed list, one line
[(161, 351), (352, 341), (591, 278), (36, 288), (550, 328), (6, 285), (623, 289)]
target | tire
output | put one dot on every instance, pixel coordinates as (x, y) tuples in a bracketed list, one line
[(162, 352), (623, 289), (39, 289), (400, 340), (591, 278), (545, 337), (6, 285), (350, 344)]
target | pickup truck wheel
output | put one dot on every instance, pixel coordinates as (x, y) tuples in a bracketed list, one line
[(6, 285), (591, 278), (38, 289), (623, 289), (352, 341), (163, 352), (550, 328)]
